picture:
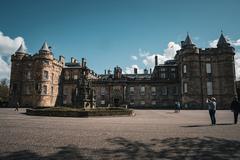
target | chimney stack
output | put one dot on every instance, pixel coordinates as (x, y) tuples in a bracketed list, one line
[(105, 71), (73, 60), (145, 71), (84, 63), (156, 60), (135, 70)]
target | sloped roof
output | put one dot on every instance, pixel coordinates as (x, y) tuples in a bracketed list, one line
[(222, 40), (45, 47), (188, 40), (21, 49)]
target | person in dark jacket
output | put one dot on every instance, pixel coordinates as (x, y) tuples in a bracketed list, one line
[(17, 106), (235, 107)]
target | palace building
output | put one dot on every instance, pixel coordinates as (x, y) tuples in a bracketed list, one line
[(194, 74)]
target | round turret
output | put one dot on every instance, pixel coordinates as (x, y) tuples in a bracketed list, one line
[(45, 51)]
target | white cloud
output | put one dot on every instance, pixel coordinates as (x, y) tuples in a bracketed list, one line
[(134, 57), (8, 46), (236, 43), (148, 59), (130, 70), (169, 53), (143, 53), (213, 44), (237, 66)]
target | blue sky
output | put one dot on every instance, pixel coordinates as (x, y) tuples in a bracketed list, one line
[(109, 32)]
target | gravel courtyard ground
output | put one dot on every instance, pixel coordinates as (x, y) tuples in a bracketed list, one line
[(151, 134)]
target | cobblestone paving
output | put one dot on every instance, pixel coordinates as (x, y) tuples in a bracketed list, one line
[(151, 134)]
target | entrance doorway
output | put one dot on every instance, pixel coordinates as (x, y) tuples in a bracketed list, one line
[(116, 102)]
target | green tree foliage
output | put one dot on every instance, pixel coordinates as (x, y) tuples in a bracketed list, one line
[(4, 90)]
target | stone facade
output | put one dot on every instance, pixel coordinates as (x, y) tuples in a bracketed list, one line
[(35, 78), (193, 75)]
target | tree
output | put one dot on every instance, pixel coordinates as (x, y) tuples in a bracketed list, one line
[(4, 90)]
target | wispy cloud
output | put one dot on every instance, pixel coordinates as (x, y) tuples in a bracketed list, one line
[(169, 53), (130, 70), (8, 46), (147, 59), (134, 57)]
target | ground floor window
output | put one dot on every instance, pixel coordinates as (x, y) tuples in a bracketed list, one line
[(209, 88), (185, 87)]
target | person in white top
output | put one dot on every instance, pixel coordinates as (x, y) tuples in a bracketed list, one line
[(212, 106)]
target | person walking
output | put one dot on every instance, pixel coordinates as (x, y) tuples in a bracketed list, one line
[(17, 106), (235, 107), (212, 109)]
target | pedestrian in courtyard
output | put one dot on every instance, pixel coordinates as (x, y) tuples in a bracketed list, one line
[(177, 106), (235, 107), (212, 109), (17, 106)]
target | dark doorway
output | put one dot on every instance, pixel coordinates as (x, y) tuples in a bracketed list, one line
[(116, 102)]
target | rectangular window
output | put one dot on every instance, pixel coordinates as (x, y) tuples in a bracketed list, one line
[(142, 91), (75, 77), (52, 90), (45, 75), (208, 68), (102, 91), (132, 102), (66, 75), (154, 102), (102, 102), (164, 90), (44, 89), (173, 75), (45, 62), (52, 77), (27, 89), (184, 68), (173, 69), (65, 91), (28, 75), (209, 88), (162, 75), (175, 90), (142, 102), (162, 69), (153, 89), (185, 89), (131, 89)]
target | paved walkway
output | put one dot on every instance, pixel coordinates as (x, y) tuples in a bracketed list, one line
[(151, 134)]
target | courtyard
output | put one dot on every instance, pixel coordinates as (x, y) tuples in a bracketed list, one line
[(150, 134)]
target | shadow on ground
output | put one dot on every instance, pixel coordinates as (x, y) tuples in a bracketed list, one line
[(207, 125), (121, 148)]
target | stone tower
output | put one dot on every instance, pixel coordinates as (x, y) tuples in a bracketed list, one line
[(47, 75), (206, 73), (188, 68), (16, 75), (35, 78)]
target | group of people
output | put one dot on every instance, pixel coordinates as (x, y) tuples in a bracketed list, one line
[(235, 108), (212, 106)]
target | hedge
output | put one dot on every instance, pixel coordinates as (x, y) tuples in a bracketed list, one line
[(76, 112)]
